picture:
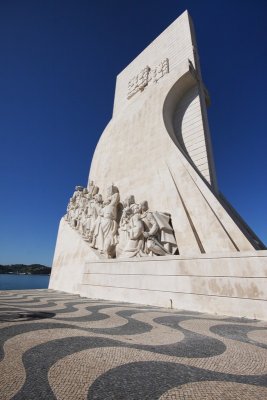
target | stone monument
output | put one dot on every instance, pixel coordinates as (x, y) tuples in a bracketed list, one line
[(152, 227)]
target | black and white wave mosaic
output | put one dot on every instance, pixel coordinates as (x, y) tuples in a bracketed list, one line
[(55, 345)]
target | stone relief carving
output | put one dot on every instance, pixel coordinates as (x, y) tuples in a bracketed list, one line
[(120, 229), (138, 82), (160, 70), (104, 233), (154, 74)]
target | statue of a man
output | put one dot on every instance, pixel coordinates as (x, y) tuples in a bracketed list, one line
[(77, 194), (83, 200), (73, 202), (92, 190), (128, 205), (135, 229), (106, 227), (155, 227), (93, 213)]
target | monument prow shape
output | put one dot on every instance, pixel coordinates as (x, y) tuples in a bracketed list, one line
[(157, 148)]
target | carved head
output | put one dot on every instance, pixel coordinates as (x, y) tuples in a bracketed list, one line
[(127, 211), (95, 190), (98, 198), (136, 209), (112, 190), (144, 206), (129, 201)]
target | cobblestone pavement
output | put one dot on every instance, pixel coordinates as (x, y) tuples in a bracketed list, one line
[(54, 345)]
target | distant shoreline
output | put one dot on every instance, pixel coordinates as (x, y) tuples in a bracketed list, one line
[(24, 273), (22, 269)]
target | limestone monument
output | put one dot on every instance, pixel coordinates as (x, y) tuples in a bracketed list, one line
[(152, 227)]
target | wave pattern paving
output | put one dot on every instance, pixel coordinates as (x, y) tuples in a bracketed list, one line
[(55, 345)]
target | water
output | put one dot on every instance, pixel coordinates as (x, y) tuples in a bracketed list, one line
[(15, 282)]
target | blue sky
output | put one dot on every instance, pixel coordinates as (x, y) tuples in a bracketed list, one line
[(59, 64)]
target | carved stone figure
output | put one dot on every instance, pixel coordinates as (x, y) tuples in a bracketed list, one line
[(128, 205), (75, 216), (139, 233), (135, 240), (77, 194), (157, 232), (92, 190), (83, 199), (129, 201), (93, 211), (69, 210), (82, 221), (106, 227), (72, 203)]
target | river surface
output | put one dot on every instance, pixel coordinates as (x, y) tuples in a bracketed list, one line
[(16, 282)]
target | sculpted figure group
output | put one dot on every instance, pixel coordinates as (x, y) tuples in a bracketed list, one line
[(119, 229)]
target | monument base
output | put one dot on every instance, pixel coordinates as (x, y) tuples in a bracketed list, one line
[(225, 283), (68, 264), (233, 284)]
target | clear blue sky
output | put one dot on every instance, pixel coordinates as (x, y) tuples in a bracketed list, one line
[(59, 61)]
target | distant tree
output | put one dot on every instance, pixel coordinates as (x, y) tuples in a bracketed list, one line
[(33, 269)]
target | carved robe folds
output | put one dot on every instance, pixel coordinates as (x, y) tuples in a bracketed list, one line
[(165, 234), (106, 227), (135, 244)]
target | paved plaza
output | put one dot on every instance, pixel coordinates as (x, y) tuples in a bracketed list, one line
[(60, 346)]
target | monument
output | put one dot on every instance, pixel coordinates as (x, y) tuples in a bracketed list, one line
[(152, 227)]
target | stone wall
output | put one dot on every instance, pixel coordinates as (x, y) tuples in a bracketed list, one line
[(226, 285)]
